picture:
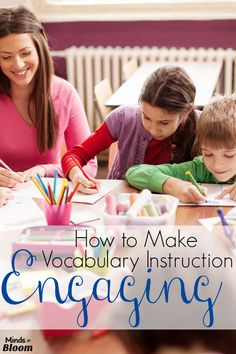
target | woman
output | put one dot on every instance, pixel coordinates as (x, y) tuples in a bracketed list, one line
[(37, 109)]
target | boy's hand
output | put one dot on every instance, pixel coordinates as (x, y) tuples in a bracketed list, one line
[(231, 190), (87, 186), (186, 192)]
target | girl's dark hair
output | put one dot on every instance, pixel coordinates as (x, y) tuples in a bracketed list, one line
[(21, 20), (149, 341), (170, 88)]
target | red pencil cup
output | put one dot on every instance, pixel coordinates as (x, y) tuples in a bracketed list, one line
[(58, 214)]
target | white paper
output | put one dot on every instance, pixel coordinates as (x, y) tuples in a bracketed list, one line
[(213, 191), (22, 210), (209, 223), (82, 217), (28, 189)]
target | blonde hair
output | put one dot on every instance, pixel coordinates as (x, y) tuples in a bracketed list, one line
[(216, 125)]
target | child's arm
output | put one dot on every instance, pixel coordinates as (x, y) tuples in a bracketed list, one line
[(231, 190), (170, 179), (73, 161)]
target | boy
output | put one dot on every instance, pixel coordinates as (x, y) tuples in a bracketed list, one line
[(216, 138)]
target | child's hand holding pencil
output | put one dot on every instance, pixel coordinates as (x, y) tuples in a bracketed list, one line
[(185, 191), (88, 185)]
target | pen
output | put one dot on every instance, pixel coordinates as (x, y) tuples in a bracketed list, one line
[(193, 181), (5, 165), (227, 230), (84, 173)]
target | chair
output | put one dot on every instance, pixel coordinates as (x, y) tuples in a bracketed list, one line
[(129, 68), (103, 92)]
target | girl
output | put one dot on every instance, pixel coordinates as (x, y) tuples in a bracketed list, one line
[(37, 109), (161, 129), (216, 135)]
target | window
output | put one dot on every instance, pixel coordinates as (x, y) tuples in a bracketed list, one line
[(131, 10)]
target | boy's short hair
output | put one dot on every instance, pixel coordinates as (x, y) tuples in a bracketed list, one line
[(216, 125)]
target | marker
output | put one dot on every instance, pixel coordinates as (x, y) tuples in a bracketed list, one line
[(193, 181), (227, 230)]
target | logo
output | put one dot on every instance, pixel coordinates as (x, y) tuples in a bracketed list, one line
[(13, 344)]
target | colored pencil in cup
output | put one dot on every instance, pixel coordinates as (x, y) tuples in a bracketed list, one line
[(51, 195), (55, 182), (40, 182), (62, 190), (40, 190)]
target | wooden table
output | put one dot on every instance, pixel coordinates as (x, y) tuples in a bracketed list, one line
[(82, 342), (203, 74), (186, 215)]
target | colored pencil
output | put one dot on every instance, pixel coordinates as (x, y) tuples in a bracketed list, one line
[(51, 195), (55, 183), (193, 181), (40, 181), (85, 174), (62, 190), (73, 192), (40, 190)]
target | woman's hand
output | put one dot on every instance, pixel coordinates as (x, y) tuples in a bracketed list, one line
[(86, 186), (32, 172), (231, 190), (9, 178), (186, 192), (5, 194)]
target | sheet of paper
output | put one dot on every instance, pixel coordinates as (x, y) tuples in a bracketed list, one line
[(20, 210), (28, 189), (213, 191), (82, 217), (210, 222)]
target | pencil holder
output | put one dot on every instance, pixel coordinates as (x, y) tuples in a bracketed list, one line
[(58, 214)]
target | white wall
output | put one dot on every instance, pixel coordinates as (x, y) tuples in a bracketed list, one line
[(7, 3)]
